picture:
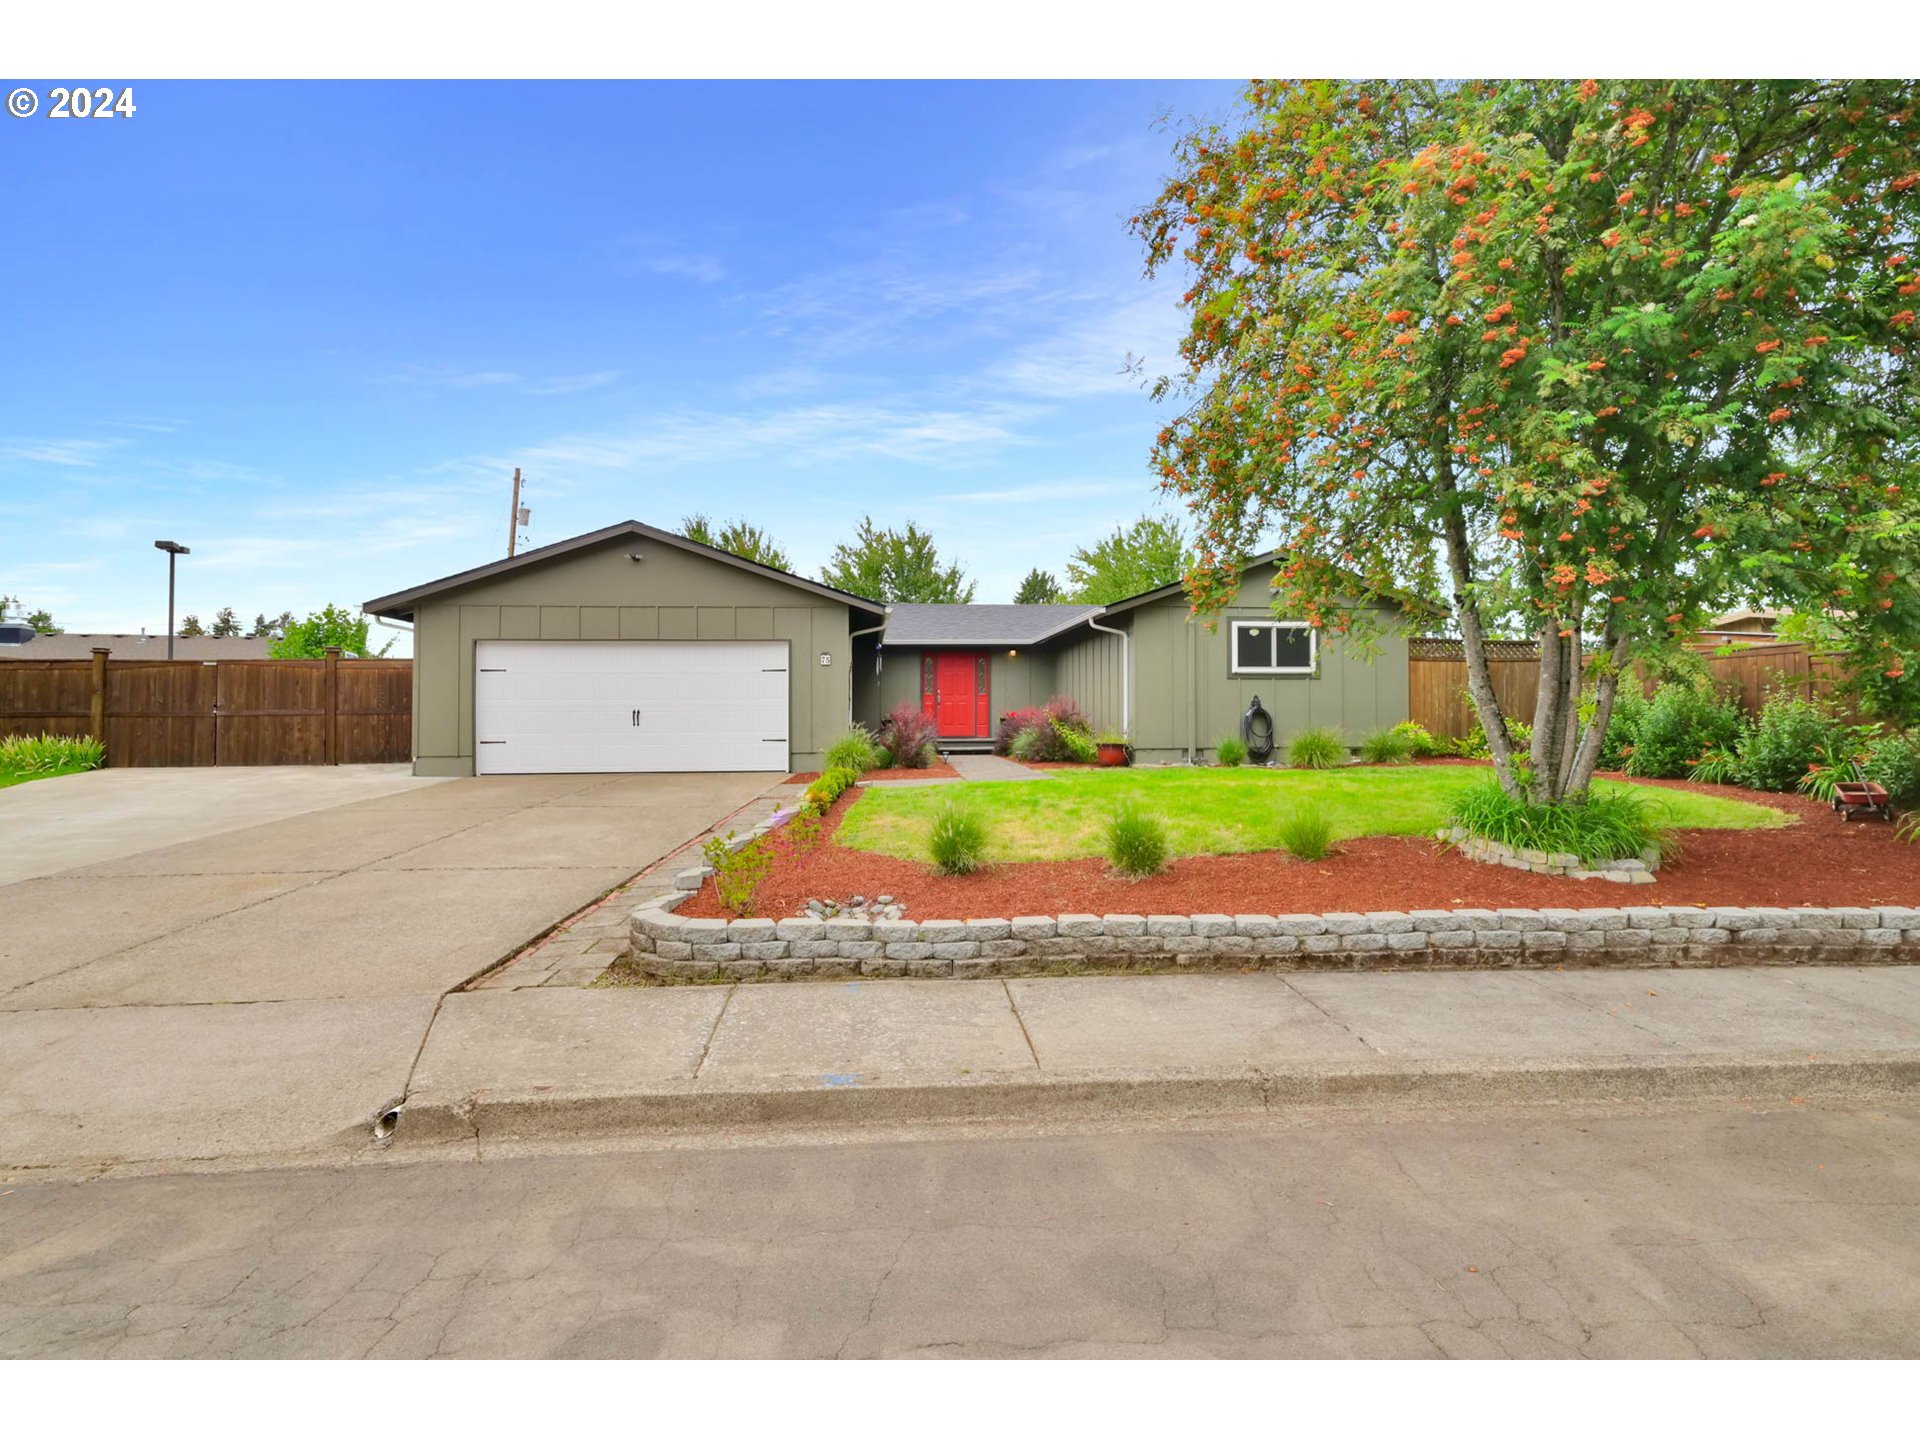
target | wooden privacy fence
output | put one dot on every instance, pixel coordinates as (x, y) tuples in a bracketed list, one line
[(1437, 683), (1437, 679), (222, 712)]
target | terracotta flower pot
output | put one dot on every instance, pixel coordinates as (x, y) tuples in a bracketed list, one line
[(1113, 754)]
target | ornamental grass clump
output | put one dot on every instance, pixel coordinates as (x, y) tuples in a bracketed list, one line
[(1386, 747), (957, 841), (1319, 748), (1603, 825), (1136, 842), (1231, 751), (44, 754), (854, 750), (908, 737), (1306, 832)]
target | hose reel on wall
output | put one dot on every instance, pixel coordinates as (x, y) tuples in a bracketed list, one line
[(1256, 729)]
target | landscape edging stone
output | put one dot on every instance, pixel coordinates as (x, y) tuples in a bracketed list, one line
[(668, 946)]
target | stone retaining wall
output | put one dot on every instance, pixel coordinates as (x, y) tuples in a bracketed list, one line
[(1640, 870), (667, 945)]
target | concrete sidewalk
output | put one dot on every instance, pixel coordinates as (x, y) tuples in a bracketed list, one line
[(508, 1066)]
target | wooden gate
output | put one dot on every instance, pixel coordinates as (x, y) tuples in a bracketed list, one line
[(225, 712)]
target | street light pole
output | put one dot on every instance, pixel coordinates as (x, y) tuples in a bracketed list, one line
[(174, 551)]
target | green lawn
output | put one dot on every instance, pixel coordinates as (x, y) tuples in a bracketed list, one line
[(20, 777), (1215, 811)]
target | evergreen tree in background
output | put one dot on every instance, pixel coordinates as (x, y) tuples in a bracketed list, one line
[(1039, 588)]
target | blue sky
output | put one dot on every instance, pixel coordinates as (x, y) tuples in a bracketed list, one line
[(309, 329)]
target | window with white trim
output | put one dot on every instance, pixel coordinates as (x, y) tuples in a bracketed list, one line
[(1274, 647)]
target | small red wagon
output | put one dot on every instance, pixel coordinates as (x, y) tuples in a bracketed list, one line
[(1860, 796)]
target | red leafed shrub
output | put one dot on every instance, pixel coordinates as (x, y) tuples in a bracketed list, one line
[(1035, 734), (1011, 724), (907, 734)]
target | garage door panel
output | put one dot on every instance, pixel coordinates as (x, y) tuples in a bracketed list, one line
[(635, 705)]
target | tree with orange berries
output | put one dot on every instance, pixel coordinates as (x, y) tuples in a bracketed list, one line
[(1589, 358)]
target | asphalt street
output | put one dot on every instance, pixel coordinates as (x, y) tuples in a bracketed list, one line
[(1709, 1229)]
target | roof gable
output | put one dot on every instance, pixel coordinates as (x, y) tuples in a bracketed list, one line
[(1404, 600), (401, 603), (981, 624)]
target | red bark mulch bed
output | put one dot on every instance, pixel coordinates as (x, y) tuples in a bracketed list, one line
[(1819, 861), (938, 771)]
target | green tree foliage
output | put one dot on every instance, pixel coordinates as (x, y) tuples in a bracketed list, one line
[(896, 567), (1143, 556), (736, 537), (1586, 357), (40, 620), (308, 639), (225, 624), (1039, 588), (190, 627), (270, 629)]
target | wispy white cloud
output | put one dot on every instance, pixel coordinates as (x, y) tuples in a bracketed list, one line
[(450, 378), (77, 454), (704, 268), (571, 384), (454, 379), (1097, 350), (1044, 490), (807, 435)]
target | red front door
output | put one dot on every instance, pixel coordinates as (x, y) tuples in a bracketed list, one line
[(955, 694)]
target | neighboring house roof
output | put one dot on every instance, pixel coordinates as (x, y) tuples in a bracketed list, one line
[(981, 624), (401, 603), (1740, 617), (72, 645)]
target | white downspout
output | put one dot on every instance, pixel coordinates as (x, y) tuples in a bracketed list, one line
[(853, 635), (1126, 675)]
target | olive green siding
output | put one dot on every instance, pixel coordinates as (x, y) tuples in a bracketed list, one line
[(599, 594), (1185, 696), (1090, 668), (1015, 681)]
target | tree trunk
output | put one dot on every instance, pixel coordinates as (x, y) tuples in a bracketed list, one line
[(1549, 714), (1587, 757), (1473, 641)]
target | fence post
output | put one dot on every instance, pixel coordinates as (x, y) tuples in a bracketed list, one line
[(332, 671), (97, 700)]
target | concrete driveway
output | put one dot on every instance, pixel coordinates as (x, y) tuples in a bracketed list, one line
[(272, 983)]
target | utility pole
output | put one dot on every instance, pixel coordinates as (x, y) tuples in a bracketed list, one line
[(513, 516)]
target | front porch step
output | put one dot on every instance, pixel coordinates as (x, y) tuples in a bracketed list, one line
[(964, 747)]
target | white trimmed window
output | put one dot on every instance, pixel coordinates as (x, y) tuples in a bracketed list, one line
[(1274, 647)]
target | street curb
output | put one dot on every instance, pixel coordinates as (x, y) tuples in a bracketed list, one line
[(554, 1114)]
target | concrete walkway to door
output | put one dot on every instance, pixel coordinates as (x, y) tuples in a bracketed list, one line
[(974, 767), (266, 987)]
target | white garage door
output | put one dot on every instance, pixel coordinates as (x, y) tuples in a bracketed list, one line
[(546, 706)]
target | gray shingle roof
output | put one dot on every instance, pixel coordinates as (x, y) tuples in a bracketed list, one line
[(79, 646), (981, 624)]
